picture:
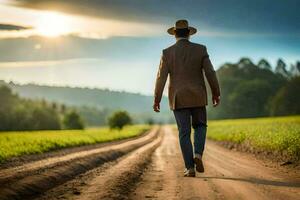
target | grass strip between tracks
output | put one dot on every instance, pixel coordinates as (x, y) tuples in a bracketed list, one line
[(13, 144)]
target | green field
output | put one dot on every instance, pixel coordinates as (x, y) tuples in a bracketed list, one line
[(14, 144), (281, 134)]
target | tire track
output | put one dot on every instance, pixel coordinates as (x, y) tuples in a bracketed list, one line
[(116, 181), (32, 179)]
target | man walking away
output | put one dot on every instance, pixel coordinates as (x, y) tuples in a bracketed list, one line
[(185, 62)]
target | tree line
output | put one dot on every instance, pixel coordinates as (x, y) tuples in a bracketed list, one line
[(18, 114), (257, 90)]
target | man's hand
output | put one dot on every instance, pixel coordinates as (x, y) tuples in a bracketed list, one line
[(216, 100), (156, 107)]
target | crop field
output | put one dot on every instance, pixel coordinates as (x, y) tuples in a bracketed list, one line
[(14, 144), (272, 134)]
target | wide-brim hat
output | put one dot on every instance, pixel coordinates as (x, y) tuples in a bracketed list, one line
[(182, 24)]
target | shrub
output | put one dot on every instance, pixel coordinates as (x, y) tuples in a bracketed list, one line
[(119, 119), (150, 121), (73, 121)]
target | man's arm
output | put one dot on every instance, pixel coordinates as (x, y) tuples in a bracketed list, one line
[(211, 77), (161, 79)]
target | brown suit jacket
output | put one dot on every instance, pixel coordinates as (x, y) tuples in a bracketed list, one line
[(185, 62)]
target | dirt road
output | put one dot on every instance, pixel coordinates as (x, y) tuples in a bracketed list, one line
[(155, 171), (228, 175)]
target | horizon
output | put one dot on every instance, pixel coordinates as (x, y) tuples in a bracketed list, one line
[(105, 88), (74, 87)]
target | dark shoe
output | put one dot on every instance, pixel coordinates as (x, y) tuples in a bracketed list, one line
[(199, 164), (189, 172)]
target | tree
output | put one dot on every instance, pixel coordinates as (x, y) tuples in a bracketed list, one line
[(119, 119), (54, 106), (17, 114), (246, 89), (264, 64), (150, 121), (295, 69), (249, 98), (245, 62), (281, 68), (7, 100), (45, 118), (286, 101), (72, 120), (63, 108)]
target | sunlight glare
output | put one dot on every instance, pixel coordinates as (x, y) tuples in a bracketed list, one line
[(53, 24)]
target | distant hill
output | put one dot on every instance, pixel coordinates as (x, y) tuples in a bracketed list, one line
[(100, 98), (140, 106)]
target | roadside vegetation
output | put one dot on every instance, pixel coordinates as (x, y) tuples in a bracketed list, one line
[(251, 89), (14, 144), (273, 134)]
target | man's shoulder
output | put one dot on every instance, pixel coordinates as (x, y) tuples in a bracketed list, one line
[(198, 45), (170, 48)]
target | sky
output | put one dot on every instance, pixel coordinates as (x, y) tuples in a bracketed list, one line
[(117, 44)]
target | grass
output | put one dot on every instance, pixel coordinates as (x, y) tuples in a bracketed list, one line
[(13, 144), (281, 134)]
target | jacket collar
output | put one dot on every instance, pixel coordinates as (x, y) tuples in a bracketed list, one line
[(182, 39)]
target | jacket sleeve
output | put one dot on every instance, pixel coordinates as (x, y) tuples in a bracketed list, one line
[(161, 79), (210, 74)]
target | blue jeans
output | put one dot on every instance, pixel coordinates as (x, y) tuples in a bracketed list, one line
[(186, 117)]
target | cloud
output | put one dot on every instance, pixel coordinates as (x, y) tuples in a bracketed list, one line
[(11, 27), (37, 48), (13, 31), (254, 16), (24, 64), (50, 23)]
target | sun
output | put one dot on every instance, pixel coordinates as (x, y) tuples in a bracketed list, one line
[(52, 24)]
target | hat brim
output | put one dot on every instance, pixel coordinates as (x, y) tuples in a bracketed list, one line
[(193, 30)]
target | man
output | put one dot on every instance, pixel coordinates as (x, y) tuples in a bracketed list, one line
[(185, 62)]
